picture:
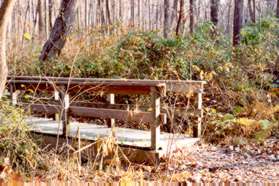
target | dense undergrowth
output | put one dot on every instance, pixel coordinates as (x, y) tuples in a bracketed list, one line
[(239, 101), (18, 149)]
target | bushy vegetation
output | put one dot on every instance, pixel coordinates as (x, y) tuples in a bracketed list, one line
[(18, 149), (239, 79)]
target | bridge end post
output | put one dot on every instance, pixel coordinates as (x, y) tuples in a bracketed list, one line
[(111, 122), (65, 98), (155, 126), (200, 109)]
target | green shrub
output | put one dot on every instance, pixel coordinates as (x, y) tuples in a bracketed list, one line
[(17, 146)]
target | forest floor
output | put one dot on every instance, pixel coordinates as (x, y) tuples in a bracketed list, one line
[(209, 163)]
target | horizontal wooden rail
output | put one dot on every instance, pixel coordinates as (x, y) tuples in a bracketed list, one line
[(77, 111), (87, 87), (179, 86)]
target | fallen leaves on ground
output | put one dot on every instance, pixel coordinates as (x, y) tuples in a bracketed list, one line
[(208, 163)]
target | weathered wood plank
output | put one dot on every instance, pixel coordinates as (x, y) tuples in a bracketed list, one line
[(122, 115), (77, 111), (42, 108), (111, 122), (155, 126), (73, 89), (179, 86)]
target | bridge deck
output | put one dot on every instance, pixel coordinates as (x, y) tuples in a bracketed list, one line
[(124, 136)]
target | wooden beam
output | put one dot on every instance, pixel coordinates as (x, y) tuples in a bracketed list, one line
[(155, 126), (65, 113), (111, 99), (200, 117), (179, 86), (77, 111), (122, 115), (73, 89), (42, 108)]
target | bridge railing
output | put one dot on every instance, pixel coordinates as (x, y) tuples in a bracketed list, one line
[(65, 88)]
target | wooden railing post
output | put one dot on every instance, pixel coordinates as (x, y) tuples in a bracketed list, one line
[(200, 117), (14, 95), (56, 116), (155, 126), (111, 122), (65, 98)]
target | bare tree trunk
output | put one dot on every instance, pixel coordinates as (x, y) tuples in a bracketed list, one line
[(252, 10), (277, 61), (237, 21), (5, 14), (108, 12), (45, 17), (86, 14), (228, 28), (132, 21), (50, 5), (191, 16), (214, 9), (120, 10), (40, 18), (174, 12), (60, 30), (25, 20), (139, 13), (102, 14), (166, 19), (181, 18)]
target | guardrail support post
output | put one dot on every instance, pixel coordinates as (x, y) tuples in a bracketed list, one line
[(65, 111), (56, 98), (200, 117), (155, 126), (111, 122)]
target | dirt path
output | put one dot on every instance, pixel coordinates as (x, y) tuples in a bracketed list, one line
[(250, 163)]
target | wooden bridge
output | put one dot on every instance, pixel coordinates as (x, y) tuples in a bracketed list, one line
[(65, 90)]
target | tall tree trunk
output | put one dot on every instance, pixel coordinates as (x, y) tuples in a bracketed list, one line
[(120, 10), (139, 14), (60, 30), (40, 18), (191, 12), (25, 20), (102, 12), (86, 14), (108, 12), (277, 61), (214, 9), (5, 15), (166, 19), (45, 17), (174, 13), (50, 5), (252, 10), (237, 21), (181, 18), (228, 27), (132, 21)]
